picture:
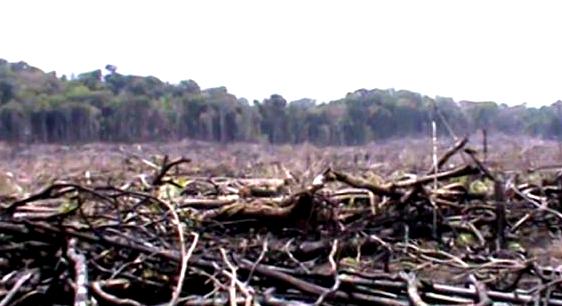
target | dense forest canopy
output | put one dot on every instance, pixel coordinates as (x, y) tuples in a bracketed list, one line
[(108, 106)]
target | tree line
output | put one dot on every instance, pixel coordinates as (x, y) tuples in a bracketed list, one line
[(104, 105)]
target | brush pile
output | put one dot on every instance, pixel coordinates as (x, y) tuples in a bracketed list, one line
[(462, 232)]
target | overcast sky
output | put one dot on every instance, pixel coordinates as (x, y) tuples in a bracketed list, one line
[(504, 51)]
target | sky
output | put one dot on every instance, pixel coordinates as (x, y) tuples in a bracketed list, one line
[(503, 51)]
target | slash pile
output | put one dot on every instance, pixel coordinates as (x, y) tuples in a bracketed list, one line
[(464, 234)]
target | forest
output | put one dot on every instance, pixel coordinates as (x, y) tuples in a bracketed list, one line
[(104, 105)]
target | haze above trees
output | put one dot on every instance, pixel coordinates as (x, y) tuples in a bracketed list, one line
[(95, 106)]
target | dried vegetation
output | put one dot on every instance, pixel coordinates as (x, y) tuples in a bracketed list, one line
[(200, 224)]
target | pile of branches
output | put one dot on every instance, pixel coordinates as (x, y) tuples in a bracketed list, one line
[(454, 235)]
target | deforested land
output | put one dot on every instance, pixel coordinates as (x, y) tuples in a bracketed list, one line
[(199, 223), (119, 189)]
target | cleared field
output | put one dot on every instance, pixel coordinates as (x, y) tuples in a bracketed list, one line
[(194, 223)]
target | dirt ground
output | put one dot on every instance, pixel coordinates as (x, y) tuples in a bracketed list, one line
[(34, 163)]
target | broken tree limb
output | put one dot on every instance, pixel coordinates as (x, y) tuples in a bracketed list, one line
[(440, 176), (166, 167), (80, 273), (501, 223), (448, 154), (413, 294), (14, 290), (362, 183)]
